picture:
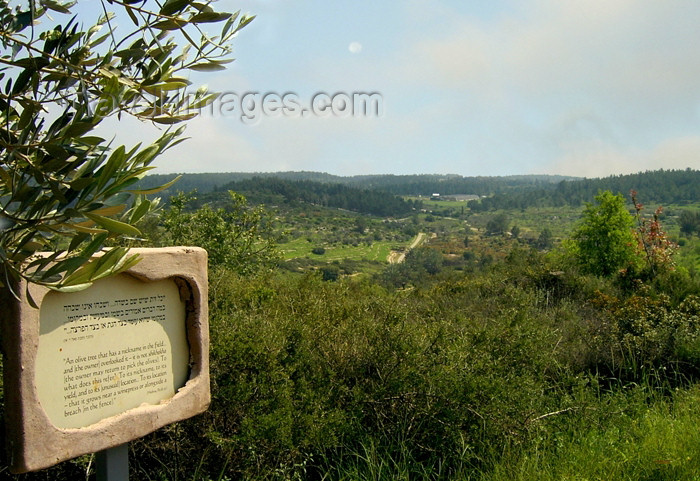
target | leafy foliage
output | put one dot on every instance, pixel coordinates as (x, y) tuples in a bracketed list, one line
[(462, 375), (498, 224), (236, 237), (63, 189), (419, 266), (645, 330), (604, 243), (275, 191), (689, 222), (654, 244), (662, 186), (425, 184)]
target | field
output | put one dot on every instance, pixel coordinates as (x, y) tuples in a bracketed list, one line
[(449, 223), (376, 251), (485, 354)]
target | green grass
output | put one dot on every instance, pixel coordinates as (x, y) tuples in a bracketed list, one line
[(436, 204), (660, 441), (378, 251)]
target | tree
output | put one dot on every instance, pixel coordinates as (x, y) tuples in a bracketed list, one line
[(654, 245), (498, 224), (545, 239), (63, 189), (515, 231), (689, 222), (236, 237), (604, 242)]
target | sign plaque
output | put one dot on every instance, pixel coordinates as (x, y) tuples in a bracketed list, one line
[(94, 369)]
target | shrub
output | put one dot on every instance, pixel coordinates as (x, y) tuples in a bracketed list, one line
[(298, 379), (645, 331)]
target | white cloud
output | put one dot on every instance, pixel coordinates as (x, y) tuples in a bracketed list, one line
[(595, 158), (601, 85)]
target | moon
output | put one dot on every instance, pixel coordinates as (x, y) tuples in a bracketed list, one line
[(355, 47)]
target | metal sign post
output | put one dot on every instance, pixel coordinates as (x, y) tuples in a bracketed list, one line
[(113, 464)]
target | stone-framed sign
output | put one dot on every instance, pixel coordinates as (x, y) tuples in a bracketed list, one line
[(94, 369)]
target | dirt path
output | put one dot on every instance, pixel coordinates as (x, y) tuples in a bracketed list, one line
[(397, 257)]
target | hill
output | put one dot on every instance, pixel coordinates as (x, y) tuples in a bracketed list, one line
[(278, 191), (658, 187), (419, 184)]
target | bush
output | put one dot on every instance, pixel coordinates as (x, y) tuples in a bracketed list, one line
[(646, 333), (301, 383)]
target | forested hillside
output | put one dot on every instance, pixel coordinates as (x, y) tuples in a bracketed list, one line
[(426, 185), (510, 192), (661, 187), (421, 184), (274, 191), (210, 181)]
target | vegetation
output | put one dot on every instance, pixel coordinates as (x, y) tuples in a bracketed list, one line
[(63, 190), (483, 355), (604, 243), (276, 191), (236, 237), (664, 187), (424, 185)]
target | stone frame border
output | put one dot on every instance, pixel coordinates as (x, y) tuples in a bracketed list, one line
[(33, 441)]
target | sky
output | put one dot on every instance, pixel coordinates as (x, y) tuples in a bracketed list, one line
[(583, 87)]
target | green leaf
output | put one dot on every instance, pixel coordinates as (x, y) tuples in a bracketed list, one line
[(110, 210), (207, 67), (30, 299), (108, 262), (244, 21), (91, 140), (115, 162), (57, 7), (94, 245), (173, 119), (81, 227), (5, 178), (120, 187), (71, 288), (26, 117), (78, 129), (204, 101), (81, 275), (155, 190), (131, 53), (78, 239), (66, 265), (174, 24), (132, 16), (23, 80), (146, 155), (81, 183), (229, 24), (57, 151), (164, 87), (22, 21), (142, 209), (114, 226), (210, 17), (174, 6)]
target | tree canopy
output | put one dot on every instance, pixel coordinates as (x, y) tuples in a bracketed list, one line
[(604, 241), (64, 189)]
